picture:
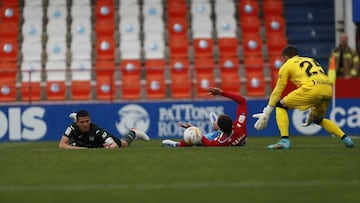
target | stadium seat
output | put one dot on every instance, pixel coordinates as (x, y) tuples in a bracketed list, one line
[(32, 31), (181, 86), (33, 12), (229, 74), (275, 23), (32, 51), (203, 47), (104, 10), (80, 79), (254, 64), (177, 26), (55, 80), (8, 73), (255, 84), (179, 47), (105, 68), (9, 30), (226, 26), (228, 47), (130, 79), (105, 47), (181, 80), (272, 7), (248, 8), (129, 28), (105, 88), (130, 49), (275, 62), (9, 3), (8, 49), (250, 24), (56, 49), (155, 85), (177, 9), (154, 48), (275, 43), (252, 45), (31, 80), (204, 73), (9, 14)]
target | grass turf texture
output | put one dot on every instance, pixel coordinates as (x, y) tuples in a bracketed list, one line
[(315, 169)]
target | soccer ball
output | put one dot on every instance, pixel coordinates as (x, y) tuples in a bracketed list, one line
[(192, 135)]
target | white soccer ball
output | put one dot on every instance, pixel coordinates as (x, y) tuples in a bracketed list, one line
[(192, 135)]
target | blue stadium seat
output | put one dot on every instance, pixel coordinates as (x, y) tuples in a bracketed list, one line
[(299, 15), (305, 33)]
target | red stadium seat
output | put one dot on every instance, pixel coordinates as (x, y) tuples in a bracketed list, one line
[(155, 85), (181, 80), (8, 72), (80, 90), (179, 46), (9, 13), (203, 47), (255, 84), (104, 9), (228, 47), (276, 43), (204, 74), (105, 68), (254, 64), (229, 73), (252, 45), (250, 24), (177, 26), (105, 48), (8, 49), (177, 8), (272, 7), (105, 88), (275, 24), (130, 79), (181, 86), (248, 8), (154, 65), (30, 91), (9, 30)]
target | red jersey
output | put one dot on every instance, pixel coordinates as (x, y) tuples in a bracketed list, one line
[(238, 135)]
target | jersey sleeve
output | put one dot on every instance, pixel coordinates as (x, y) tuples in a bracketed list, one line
[(69, 130), (280, 85), (235, 97)]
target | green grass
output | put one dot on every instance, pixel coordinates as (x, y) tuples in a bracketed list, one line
[(315, 169)]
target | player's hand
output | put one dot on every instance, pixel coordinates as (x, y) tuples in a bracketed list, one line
[(263, 118), (184, 125), (214, 91)]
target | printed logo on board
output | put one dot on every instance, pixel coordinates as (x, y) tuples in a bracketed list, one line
[(132, 116)]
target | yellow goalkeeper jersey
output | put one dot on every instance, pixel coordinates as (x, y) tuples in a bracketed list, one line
[(304, 72)]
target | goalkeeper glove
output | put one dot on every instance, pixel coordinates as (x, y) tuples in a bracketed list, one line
[(263, 118)]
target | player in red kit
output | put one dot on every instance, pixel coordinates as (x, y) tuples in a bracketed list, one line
[(227, 132)]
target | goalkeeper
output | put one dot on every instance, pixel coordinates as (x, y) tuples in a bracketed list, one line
[(314, 92), (83, 134), (227, 132)]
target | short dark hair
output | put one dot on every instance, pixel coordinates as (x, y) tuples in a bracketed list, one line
[(225, 123), (290, 51), (82, 113)]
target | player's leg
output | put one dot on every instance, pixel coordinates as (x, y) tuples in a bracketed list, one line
[(318, 113), (282, 120), (131, 136)]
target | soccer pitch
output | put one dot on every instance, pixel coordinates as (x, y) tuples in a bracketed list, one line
[(315, 169)]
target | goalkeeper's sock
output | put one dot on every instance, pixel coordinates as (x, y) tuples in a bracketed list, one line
[(332, 128), (129, 137), (282, 120)]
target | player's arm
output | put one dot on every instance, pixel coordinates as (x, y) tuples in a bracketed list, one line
[(237, 98), (279, 87), (64, 144)]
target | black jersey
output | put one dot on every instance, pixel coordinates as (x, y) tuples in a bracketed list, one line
[(94, 138)]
